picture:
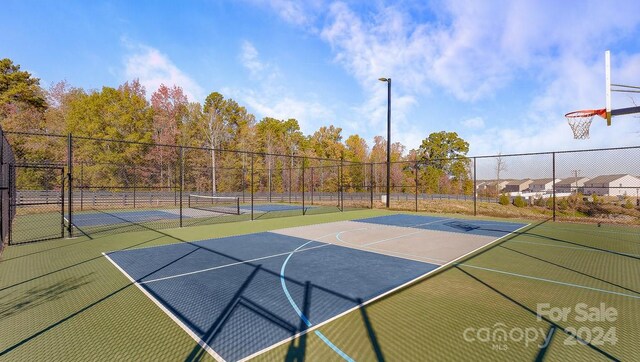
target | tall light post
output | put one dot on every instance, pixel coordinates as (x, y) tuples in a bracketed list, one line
[(388, 80)]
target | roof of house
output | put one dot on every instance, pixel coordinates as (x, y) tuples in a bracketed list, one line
[(494, 182), (604, 179), (571, 180), (542, 181), (519, 182)]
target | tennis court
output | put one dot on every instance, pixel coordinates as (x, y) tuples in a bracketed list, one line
[(361, 286), (85, 220), (240, 295)]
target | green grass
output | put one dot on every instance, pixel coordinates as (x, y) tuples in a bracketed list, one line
[(62, 300), (559, 264)]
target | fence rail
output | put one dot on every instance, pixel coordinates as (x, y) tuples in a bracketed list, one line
[(105, 177)]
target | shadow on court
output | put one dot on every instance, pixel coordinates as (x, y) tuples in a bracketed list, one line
[(242, 301), (235, 303)]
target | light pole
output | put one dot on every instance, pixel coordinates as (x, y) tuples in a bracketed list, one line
[(388, 80)]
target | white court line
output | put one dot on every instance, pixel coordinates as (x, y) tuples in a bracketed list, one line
[(585, 248), (596, 230), (199, 340), (402, 236), (553, 281), (379, 226), (418, 278), (405, 255), (242, 262), (281, 254)]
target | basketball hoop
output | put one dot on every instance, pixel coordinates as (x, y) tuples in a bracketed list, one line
[(580, 121)]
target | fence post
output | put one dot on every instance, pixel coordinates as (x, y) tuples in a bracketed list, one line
[(553, 158), (371, 184), (303, 164), (62, 201), (340, 189), (270, 181), (181, 170), (244, 186), (81, 186), (134, 186), (290, 178), (175, 189), (416, 186), (70, 182), (251, 186), (12, 201), (2, 185), (311, 182), (475, 188)]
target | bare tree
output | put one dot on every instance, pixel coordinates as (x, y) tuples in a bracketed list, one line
[(501, 165), (215, 131)]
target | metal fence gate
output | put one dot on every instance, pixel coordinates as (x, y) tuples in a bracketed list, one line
[(45, 206)]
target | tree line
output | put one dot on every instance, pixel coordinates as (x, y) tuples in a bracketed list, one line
[(211, 130)]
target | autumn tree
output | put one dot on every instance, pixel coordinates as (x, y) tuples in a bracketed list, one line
[(326, 143), (357, 152), (445, 167), (215, 129), (378, 157), (275, 136), (121, 114), (19, 90), (169, 111)]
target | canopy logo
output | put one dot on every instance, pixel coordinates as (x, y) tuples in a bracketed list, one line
[(578, 325)]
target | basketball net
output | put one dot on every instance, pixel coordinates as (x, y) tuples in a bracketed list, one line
[(580, 121)]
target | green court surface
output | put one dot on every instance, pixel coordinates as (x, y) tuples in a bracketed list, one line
[(63, 300)]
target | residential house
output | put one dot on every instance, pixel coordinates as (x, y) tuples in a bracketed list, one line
[(542, 185), (612, 185), (493, 185), (571, 184), (517, 185)]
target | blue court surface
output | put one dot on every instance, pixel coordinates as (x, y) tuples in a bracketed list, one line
[(474, 227), (242, 294), (272, 207), (106, 218), (120, 217)]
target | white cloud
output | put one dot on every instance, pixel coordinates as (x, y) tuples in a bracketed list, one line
[(310, 115), (296, 12), (474, 50), (154, 68), (249, 58), (473, 123), (270, 96), (475, 55)]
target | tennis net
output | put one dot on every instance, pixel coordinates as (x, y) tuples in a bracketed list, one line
[(220, 204)]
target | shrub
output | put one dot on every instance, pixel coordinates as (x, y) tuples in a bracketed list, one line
[(628, 204), (575, 200), (595, 198), (504, 199), (563, 204), (519, 202), (540, 201), (549, 203)]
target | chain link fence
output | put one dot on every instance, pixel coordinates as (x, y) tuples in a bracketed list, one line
[(7, 189), (67, 185), (70, 185)]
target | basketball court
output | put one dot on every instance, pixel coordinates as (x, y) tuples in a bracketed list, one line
[(239, 296)]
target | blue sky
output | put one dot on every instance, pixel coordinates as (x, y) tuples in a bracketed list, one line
[(500, 73)]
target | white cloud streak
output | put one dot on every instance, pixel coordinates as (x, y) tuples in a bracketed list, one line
[(271, 98), (154, 68), (474, 50)]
